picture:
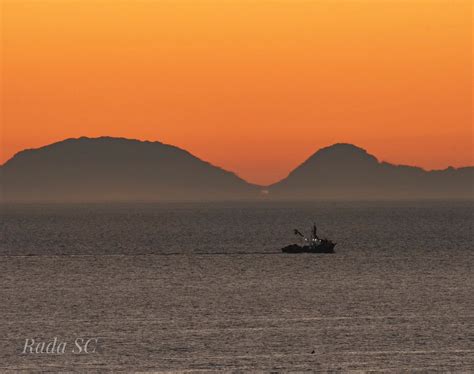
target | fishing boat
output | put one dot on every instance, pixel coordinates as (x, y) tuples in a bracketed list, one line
[(314, 244)]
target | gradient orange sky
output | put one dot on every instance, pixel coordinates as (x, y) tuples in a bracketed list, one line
[(252, 86)]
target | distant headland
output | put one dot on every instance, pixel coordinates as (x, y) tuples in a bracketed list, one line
[(119, 169)]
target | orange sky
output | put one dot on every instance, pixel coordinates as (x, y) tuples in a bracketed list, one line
[(252, 86)]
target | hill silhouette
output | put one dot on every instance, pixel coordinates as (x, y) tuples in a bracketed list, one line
[(346, 171), (108, 168)]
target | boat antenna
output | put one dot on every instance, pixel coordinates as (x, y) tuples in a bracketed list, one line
[(315, 235), (297, 232)]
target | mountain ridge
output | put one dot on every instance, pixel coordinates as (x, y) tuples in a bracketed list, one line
[(117, 168), (345, 170)]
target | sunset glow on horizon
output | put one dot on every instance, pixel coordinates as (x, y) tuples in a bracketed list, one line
[(255, 87)]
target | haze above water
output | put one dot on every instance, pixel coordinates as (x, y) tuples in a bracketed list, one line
[(204, 286)]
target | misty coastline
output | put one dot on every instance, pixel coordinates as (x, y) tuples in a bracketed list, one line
[(117, 169)]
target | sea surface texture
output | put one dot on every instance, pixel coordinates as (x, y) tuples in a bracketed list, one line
[(204, 287)]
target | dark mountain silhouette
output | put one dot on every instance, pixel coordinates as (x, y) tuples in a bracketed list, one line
[(94, 169), (116, 169), (346, 171)]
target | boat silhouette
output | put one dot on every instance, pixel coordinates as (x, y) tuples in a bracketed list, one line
[(312, 245)]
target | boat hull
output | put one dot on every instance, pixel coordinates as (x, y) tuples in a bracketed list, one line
[(325, 247)]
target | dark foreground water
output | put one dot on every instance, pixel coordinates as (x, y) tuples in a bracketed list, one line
[(203, 287)]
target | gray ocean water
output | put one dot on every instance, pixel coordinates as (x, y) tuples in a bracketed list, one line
[(204, 287)]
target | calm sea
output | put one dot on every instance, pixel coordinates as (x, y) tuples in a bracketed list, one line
[(204, 287)]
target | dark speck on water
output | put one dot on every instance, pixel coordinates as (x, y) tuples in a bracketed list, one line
[(204, 286)]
